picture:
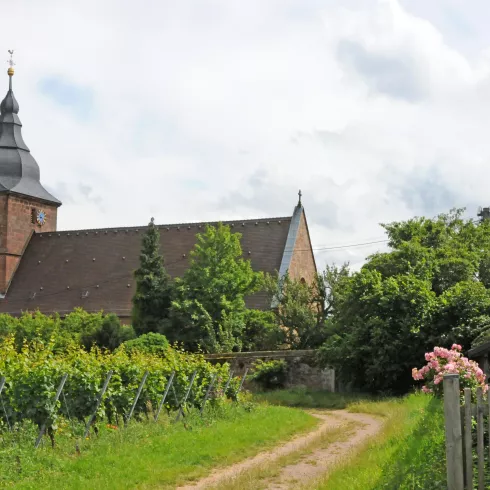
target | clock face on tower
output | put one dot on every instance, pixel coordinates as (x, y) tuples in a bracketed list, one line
[(39, 217)]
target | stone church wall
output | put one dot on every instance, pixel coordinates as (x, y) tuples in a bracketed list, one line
[(303, 370), (303, 262)]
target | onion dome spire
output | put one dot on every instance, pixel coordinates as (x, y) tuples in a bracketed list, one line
[(19, 172)]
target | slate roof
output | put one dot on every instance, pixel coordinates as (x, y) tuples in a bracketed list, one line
[(93, 269), (19, 172)]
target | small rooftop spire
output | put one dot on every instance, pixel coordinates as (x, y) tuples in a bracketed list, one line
[(300, 194)]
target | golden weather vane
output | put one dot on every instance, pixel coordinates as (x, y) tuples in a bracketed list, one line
[(11, 63)]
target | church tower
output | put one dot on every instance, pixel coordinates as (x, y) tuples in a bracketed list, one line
[(25, 205)]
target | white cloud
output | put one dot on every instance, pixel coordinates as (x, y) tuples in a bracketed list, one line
[(218, 108)]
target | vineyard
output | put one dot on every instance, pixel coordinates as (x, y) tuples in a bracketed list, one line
[(41, 385)]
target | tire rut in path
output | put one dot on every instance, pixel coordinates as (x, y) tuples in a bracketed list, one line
[(300, 472)]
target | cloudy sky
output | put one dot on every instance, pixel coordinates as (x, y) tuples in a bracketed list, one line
[(223, 109)]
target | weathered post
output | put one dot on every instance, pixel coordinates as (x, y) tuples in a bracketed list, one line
[(479, 439), (56, 398), (241, 384), (468, 443), (184, 401), (164, 397), (454, 446), (99, 401), (137, 397), (228, 383), (2, 384), (208, 392)]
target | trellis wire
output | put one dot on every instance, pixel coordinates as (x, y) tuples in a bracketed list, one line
[(56, 398), (184, 401), (136, 398), (99, 401), (162, 401)]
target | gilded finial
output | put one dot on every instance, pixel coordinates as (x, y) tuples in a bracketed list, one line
[(11, 63)]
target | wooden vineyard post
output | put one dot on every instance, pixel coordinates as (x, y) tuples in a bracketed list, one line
[(56, 398), (137, 397), (241, 384), (454, 447), (164, 397), (228, 383), (184, 401), (2, 385), (208, 392), (467, 439), (99, 401)]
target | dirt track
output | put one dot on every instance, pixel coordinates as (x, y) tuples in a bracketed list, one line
[(308, 466)]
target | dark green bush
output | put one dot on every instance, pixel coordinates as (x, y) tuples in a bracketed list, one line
[(269, 375), (110, 335)]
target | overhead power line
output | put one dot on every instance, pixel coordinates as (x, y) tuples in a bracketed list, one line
[(118, 277), (352, 245)]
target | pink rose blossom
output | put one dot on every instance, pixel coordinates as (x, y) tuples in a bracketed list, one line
[(449, 361)]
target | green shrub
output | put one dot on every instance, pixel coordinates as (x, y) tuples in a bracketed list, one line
[(109, 335), (79, 328), (269, 375), (151, 343)]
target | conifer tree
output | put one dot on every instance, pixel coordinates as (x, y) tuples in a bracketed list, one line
[(154, 290)]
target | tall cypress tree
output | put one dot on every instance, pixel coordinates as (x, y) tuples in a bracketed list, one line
[(154, 290)]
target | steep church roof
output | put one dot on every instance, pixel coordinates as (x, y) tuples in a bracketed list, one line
[(94, 269), (19, 172)]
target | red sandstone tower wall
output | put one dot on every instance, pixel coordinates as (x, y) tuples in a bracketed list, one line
[(16, 226)]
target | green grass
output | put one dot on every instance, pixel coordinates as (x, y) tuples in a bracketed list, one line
[(304, 398), (148, 455), (408, 453)]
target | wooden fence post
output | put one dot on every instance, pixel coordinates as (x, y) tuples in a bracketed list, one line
[(468, 443), (479, 439), (454, 446)]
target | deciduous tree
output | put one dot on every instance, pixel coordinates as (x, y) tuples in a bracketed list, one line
[(209, 310)]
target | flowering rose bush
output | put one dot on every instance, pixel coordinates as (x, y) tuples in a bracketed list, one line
[(449, 361)]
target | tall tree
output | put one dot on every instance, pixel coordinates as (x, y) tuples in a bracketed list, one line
[(303, 311), (209, 310), (154, 290), (430, 289)]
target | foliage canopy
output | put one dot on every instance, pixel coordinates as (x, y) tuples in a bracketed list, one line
[(430, 289), (209, 310)]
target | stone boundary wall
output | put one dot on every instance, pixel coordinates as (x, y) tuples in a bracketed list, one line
[(303, 369)]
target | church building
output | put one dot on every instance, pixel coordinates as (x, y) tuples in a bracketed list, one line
[(44, 269)]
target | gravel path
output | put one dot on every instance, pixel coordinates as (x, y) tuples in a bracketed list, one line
[(308, 466)]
